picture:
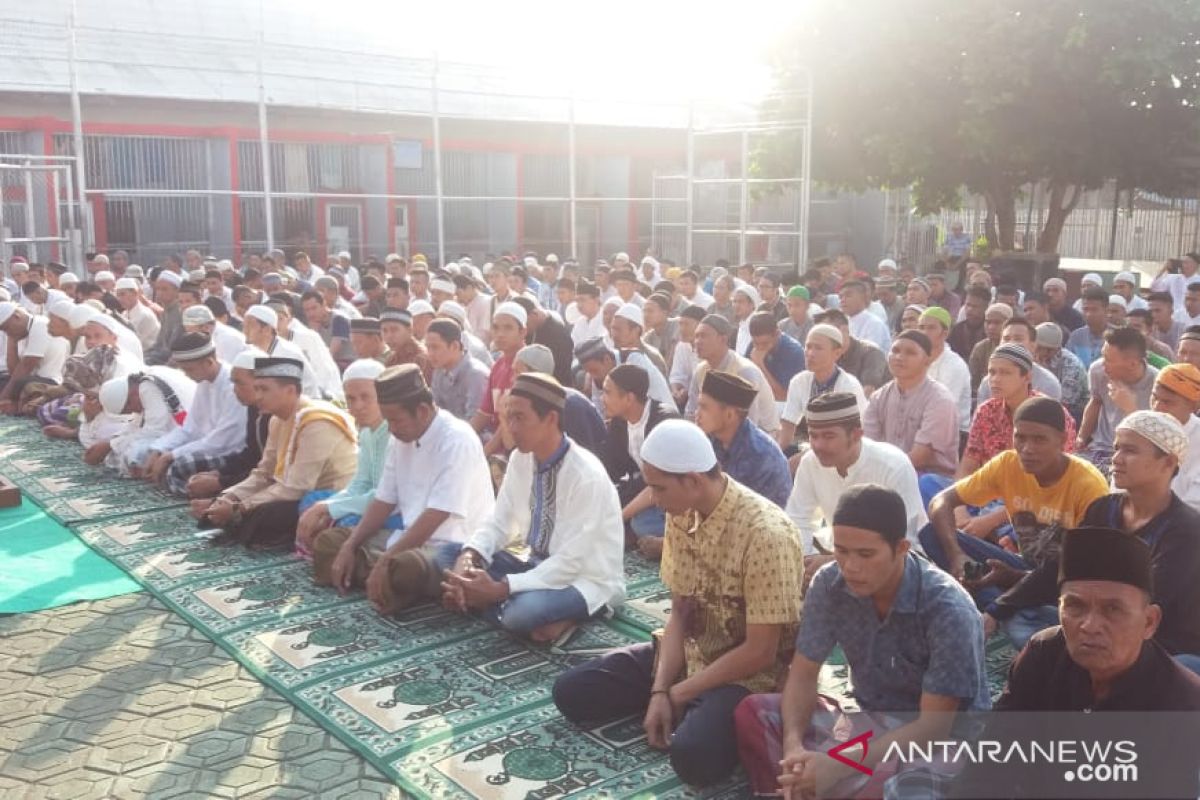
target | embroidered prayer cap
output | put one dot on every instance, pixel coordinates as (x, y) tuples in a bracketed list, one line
[(290, 369), (166, 276), (400, 315), (80, 315), (540, 386), (1183, 379), (678, 447), (631, 378), (1161, 430), (999, 309), (718, 324), (246, 358), (454, 311), (365, 325), (537, 357), (799, 291), (1117, 300), (514, 310), (1049, 334), (732, 390), (1044, 411), (1092, 278), (1126, 277), (441, 285), (871, 507), (364, 369), (924, 284), (693, 312), (200, 315), (126, 283), (401, 383), (936, 276), (114, 394), (830, 332), (1015, 353), (633, 313), (262, 314), (61, 309), (104, 276), (591, 350), (750, 293), (1105, 554), (7, 309), (419, 307), (919, 339), (70, 278), (833, 408), (134, 271), (104, 321), (940, 314), (1059, 282), (192, 347), (887, 263), (614, 301), (885, 282)]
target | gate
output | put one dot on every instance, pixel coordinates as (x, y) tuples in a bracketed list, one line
[(40, 216)]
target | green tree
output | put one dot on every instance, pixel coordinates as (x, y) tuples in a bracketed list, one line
[(991, 95)]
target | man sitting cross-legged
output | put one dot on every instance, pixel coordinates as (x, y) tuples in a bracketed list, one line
[(733, 566), (912, 638), (1044, 490), (558, 505), (434, 477)]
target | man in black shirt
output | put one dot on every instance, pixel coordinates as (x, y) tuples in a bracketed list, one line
[(546, 328)]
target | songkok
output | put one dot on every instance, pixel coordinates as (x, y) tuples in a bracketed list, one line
[(263, 314), (114, 394), (1183, 379), (587, 289), (1117, 300), (126, 283), (1105, 554), (107, 277), (1003, 309), (591, 350), (364, 369), (540, 386), (1059, 282), (441, 285), (871, 507), (246, 358), (750, 293), (1044, 411), (1049, 334), (1015, 353), (732, 390), (1161, 430), (395, 315), (1191, 333), (70, 277), (169, 277), (718, 324), (326, 282), (510, 309), (447, 329), (199, 315), (61, 309), (631, 378), (365, 325), (400, 384), (919, 339), (1126, 277), (678, 447), (885, 282), (799, 291), (924, 284), (830, 332), (105, 321), (537, 357), (286, 368), (887, 263), (833, 408), (190, 347), (940, 314), (79, 315), (917, 307), (632, 313), (7, 309), (419, 307), (454, 311), (623, 275), (693, 312), (1092, 278)]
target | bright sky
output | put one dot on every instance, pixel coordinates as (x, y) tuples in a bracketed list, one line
[(646, 47)]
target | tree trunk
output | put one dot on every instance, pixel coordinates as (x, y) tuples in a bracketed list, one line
[(1063, 199), (1003, 199), (989, 223)]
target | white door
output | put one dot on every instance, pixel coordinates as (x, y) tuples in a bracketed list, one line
[(400, 232), (343, 228)]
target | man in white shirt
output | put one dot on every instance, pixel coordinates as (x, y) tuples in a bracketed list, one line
[(745, 300), (575, 544), (143, 321), (325, 370), (478, 305), (435, 477), (590, 323), (822, 349), (947, 367), (33, 353), (689, 288), (842, 457), (260, 327), (226, 341), (863, 324), (1177, 392), (712, 348), (158, 398), (684, 362), (215, 424)]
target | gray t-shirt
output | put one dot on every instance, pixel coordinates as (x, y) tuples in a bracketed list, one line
[(1110, 415)]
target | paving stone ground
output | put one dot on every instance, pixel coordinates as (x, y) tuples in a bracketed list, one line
[(121, 698)]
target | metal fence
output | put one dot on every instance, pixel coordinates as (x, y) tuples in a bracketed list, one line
[(40, 217)]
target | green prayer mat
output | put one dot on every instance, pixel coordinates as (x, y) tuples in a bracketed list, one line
[(44, 565), (445, 705)]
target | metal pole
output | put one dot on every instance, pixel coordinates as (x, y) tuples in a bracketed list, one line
[(30, 219), (571, 177), (1112, 236), (437, 166), (85, 228), (264, 144), (745, 198), (56, 223), (4, 254), (1179, 235), (74, 231), (806, 180), (691, 176)]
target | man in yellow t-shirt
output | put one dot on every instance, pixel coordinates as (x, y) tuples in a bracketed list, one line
[(1045, 491)]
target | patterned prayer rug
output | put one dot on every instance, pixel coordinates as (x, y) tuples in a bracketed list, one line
[(446, 705)]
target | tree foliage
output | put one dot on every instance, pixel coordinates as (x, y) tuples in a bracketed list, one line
[(993, 94)]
